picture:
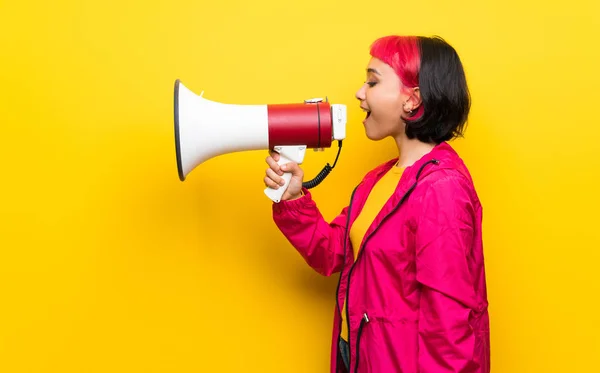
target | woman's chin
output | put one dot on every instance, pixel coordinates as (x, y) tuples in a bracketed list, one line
[(373, 135), (373, 130)]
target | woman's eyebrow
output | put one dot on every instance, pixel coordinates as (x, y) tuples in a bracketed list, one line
[(372, 70)]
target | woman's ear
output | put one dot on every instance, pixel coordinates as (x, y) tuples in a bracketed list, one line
[(412, 103), (414, 100)]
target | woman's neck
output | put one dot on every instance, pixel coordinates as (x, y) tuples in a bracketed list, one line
[(411, 150)]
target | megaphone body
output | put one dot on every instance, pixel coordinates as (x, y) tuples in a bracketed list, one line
[(205, 129)]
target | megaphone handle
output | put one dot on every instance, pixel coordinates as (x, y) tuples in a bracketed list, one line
[(296, 154), (276, 194)]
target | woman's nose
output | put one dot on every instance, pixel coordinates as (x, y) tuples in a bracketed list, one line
[(360, 94)]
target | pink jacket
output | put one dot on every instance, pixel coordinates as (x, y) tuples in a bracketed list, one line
[(417, 300)]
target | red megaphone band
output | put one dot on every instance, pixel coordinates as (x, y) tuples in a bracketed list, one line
[(300, 124)]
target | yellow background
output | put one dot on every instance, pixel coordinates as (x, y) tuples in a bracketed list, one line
[(109, 263)]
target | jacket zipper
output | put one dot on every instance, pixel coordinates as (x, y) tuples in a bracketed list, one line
[(363, 321), (337, 291), (361, 249)]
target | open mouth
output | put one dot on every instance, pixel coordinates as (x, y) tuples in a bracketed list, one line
[(366, 111)]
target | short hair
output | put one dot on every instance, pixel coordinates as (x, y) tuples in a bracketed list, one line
[(431, 64)]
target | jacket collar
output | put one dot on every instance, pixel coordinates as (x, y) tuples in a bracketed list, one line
[(443, 153), (442, 156)]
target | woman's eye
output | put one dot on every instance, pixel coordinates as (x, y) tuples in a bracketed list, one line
[(371, 84)]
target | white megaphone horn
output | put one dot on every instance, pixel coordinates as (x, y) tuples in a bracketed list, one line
[(205, 129)]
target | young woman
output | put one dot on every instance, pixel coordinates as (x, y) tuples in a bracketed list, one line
[(412, 291)]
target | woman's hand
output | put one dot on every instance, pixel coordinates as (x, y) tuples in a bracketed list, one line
[(274, 180)]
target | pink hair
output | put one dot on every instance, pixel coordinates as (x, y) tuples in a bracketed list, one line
[(403, 54)]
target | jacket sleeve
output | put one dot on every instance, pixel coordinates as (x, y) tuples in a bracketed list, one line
[(443, 242), (321, 244)]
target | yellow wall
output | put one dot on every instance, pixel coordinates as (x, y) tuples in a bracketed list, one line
[(109, 263)]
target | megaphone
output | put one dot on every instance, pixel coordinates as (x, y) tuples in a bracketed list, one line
[(205, 129)]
